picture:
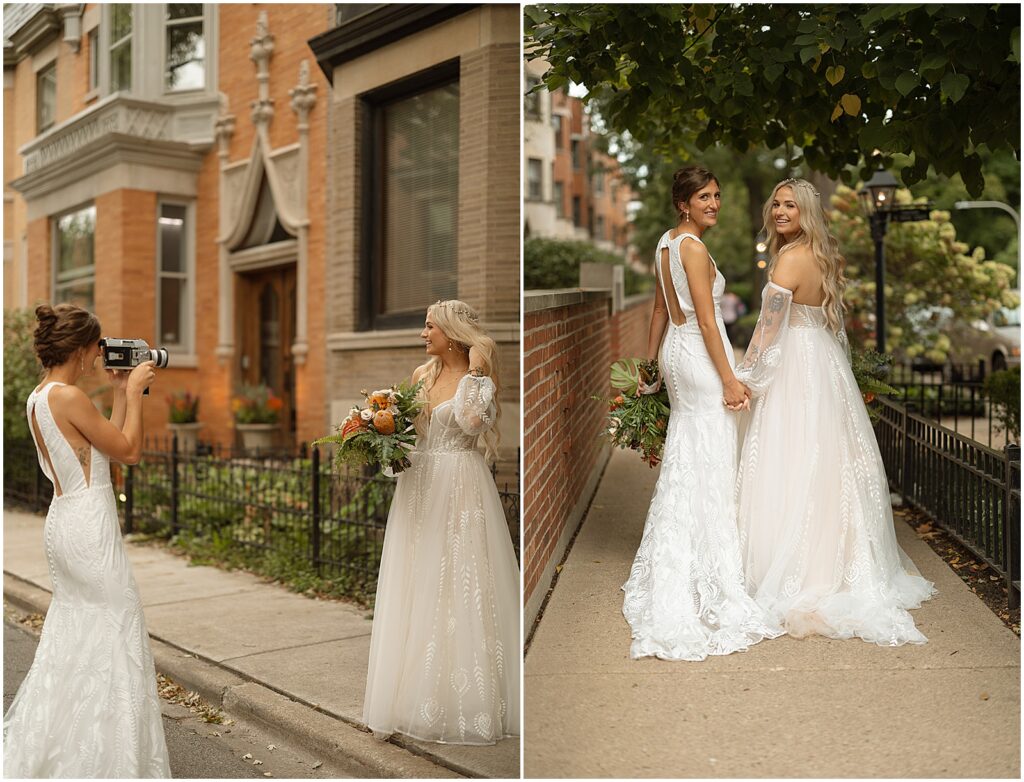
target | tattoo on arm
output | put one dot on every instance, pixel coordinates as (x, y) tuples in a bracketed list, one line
[(83, 455)]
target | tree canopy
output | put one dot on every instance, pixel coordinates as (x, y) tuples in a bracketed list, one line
[(937, 84)]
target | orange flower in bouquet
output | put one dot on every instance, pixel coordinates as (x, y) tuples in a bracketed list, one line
[(381, 432)]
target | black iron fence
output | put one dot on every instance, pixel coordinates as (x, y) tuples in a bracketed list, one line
[(293, 506), (970, 490), (953, 395)]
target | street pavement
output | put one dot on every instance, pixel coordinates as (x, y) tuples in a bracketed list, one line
[(784, 708), (198, 749), (292, 665)]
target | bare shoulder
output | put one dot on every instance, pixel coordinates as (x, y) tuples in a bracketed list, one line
[(694, 255), (69, 396)]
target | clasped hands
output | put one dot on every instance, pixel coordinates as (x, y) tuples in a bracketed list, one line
[(736, 395)]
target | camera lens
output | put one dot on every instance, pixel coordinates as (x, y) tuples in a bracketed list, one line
[(159, 357)]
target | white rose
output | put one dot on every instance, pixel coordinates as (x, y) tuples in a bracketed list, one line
[(366, 415)]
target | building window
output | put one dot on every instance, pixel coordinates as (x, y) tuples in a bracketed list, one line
[(94, 58), (577, 163), (577, 211), (46, 98), (599, 183), (558, 122), (75, 276), (532, 99), (173, 267), (411, 216), (559, 199), (120, 47), (599, 228), (185, 63), (534, 179)]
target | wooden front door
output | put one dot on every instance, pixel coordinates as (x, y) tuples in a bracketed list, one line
[(266, 329)]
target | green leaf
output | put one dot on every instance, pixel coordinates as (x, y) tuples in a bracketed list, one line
[(906, 82), (537, 14), (933, 62), (808, 25), (834, 75), (806, 40), (970, 172), (808, 53), (837, 112), (1015, 45), (954, 85), (869, 70), (773, 71)]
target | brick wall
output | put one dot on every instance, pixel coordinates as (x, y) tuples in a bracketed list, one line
[(570, 339)]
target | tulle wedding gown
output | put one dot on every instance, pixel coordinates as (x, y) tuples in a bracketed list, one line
[(686, 598), (816, 525), (88, 706), (444, 653)]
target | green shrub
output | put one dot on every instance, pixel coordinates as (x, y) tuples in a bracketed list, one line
[(1003, 389), (555, 263), (21, 372)]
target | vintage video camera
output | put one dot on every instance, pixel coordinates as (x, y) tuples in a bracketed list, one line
[(126, 354)]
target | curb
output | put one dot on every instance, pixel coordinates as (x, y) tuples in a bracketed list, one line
[(352, 749)]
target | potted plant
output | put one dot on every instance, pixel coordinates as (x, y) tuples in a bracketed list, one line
[(256, 410), (183, 419)]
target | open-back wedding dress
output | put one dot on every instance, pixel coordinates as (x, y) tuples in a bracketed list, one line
[(815, 519), (88, 706), (686, 598)]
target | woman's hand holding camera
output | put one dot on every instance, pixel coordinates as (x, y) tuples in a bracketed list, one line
[(117, 378), (141, 377)]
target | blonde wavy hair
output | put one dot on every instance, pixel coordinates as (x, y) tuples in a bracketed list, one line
[(460, 323), (815, 234)]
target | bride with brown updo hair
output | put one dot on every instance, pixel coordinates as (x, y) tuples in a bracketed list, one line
[(88, 706)]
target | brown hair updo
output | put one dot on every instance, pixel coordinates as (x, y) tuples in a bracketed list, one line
[(61, 331), (686, 182)]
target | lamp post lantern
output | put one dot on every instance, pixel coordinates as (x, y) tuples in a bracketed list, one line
[(877, 199)]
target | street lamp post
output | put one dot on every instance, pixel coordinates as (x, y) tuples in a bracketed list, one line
[(878, 201)]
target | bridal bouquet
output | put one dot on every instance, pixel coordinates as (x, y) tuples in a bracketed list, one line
[(636, 421), (871, 370), (381, 432)]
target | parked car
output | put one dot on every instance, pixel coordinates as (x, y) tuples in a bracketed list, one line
[(980, 346)]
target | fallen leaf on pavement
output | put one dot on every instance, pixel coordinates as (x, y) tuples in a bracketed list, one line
[(257, 762), (318, 764), (271, 747), (984, 696), (247, 756)]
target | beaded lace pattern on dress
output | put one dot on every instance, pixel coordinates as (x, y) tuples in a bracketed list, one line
[(444, 653), (88, 706), (686, 598)]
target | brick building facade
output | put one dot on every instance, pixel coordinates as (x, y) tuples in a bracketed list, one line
[(190, 174)]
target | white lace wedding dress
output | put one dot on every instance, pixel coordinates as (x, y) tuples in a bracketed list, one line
[(816, 525), (685, 598), (444, 653), (88, 706)]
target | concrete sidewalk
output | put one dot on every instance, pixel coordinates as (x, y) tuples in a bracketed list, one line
[(291, 663), (785, 708)]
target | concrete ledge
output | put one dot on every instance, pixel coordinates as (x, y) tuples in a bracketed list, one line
[(351, 748), (535, 301)]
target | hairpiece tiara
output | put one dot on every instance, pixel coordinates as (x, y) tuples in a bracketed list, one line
[(802, 183), (457, 309)]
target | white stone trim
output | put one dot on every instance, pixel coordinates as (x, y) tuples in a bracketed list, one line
[(264, 257), (45, 56), (501, 332)]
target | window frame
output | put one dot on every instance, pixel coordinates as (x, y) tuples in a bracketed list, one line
[(534, 164), (93, 38), (77, 275), (44, 73), (373, 241), (108, 23), (165, 25), (187, 343), (532, 108)]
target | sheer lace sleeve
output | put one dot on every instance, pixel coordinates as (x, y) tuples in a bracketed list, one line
[(844, 340), (764, 352), (474, 404)]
